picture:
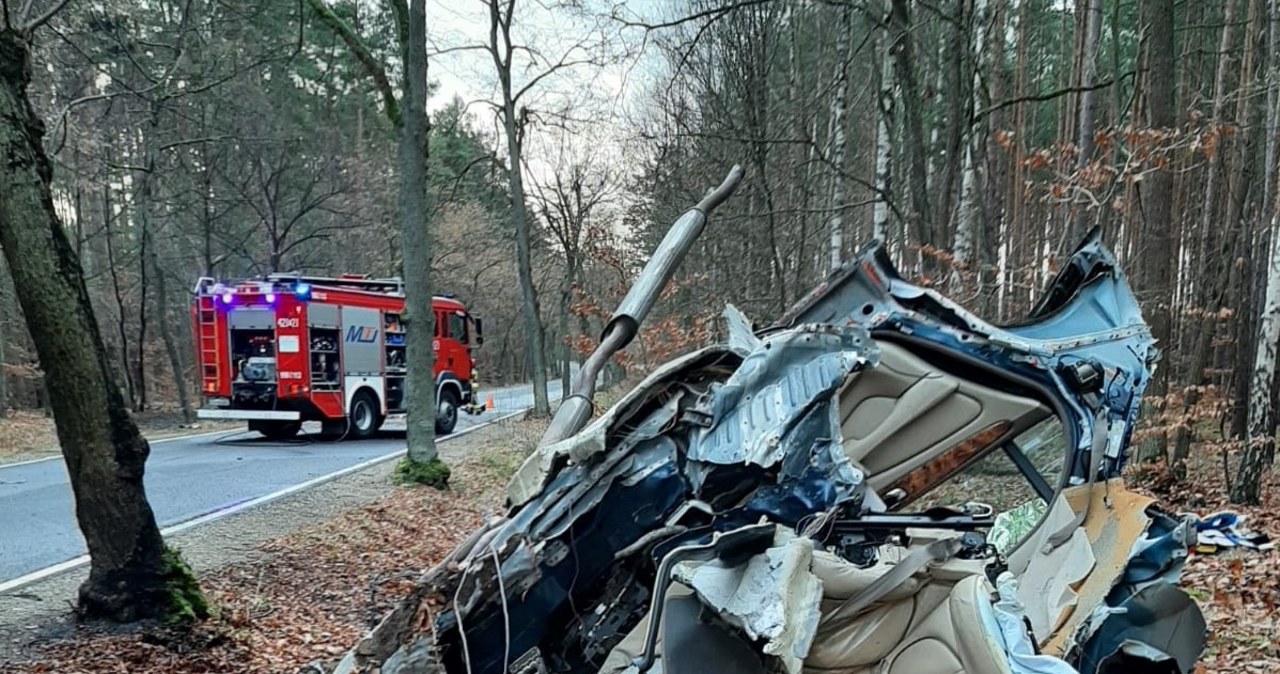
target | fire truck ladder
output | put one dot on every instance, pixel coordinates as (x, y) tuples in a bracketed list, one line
[(207, 342), (352, 281)]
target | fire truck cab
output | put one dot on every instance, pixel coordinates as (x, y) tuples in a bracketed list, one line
[(282, 349)]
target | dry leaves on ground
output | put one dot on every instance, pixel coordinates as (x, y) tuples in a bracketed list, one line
[(313, 593), (1238, 591), (26, 434)]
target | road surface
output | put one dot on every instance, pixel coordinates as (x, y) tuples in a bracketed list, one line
[(190, 477)]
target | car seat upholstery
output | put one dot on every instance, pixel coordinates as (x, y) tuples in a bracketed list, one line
[(953, 638), (932, 623)]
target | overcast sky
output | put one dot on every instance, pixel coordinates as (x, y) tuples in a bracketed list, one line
[(599, 99)]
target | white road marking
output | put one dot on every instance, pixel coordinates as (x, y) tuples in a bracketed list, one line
[(149, 441), (56, 569)]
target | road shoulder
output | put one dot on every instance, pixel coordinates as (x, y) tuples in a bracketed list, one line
[(332, 536)]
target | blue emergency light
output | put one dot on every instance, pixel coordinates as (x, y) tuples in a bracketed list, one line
[(302, 291)]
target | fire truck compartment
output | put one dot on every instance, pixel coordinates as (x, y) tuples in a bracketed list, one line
[(361, 346)]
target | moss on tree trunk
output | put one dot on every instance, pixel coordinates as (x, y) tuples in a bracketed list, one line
[(132, 576)]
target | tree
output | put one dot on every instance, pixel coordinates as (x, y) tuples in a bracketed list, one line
[(514, 120), (1156, 193), (410, 118), (904, 70), (132, 575), (839, 95), (1088, 60), (569, 202), (1260, 440)]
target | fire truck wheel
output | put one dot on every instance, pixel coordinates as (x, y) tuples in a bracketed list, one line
[(446, 412), (364, 416), (276, 430)]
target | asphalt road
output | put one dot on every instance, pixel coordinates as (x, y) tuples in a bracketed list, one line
[(190, 477)]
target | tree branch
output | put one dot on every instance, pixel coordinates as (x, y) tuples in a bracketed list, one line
[(30, 26), (366, 58), (1040, 98), (713, 13)]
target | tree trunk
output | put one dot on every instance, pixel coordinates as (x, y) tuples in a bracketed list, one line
[(1159, 228), (140, 372), (145, 213), (1084, 135), (1213, 250), (415, 237), (884, 167), (953, 64), (1259, 450), (535, 338), (839, 94), (566, 298), (172, 350), (966, 220), (126, 371), (131, 574), (912, 106), (1273, 110)]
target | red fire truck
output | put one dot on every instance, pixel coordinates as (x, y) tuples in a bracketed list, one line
[(282, 349)]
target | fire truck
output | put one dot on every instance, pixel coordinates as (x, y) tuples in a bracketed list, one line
[(282, 349)]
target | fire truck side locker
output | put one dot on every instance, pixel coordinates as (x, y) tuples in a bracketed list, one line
[(364, 390), (394, 340)]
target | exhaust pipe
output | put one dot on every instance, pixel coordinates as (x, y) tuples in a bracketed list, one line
[(575, 410)]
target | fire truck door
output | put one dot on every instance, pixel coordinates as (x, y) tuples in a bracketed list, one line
[(362, 351)]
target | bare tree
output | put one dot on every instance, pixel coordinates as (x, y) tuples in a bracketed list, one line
[(904, 69), (515, 117), (569, 202), (410, 118)]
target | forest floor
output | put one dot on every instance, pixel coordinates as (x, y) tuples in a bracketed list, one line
[(338, 558), (304, 595), (27, 435), (1238, 591)]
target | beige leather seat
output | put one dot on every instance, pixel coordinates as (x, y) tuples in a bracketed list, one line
[(926, 628), (931, 624), (952, 639)]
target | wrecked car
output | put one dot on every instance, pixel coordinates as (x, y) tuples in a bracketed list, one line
[(880, 481)]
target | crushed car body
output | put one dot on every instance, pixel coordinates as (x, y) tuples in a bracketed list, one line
[(881, 481)]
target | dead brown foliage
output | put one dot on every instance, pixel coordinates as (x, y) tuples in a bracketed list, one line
[(310, 595)]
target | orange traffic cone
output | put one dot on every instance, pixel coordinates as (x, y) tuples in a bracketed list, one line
[(488, 404)]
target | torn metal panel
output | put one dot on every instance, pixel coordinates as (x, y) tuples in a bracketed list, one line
[(538, 468), (788, 373), (742, 338), (775, 597)]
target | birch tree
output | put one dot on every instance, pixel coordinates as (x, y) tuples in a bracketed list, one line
[(1260, 441), (839, 95)]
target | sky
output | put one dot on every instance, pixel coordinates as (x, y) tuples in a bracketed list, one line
[(599, 99)]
